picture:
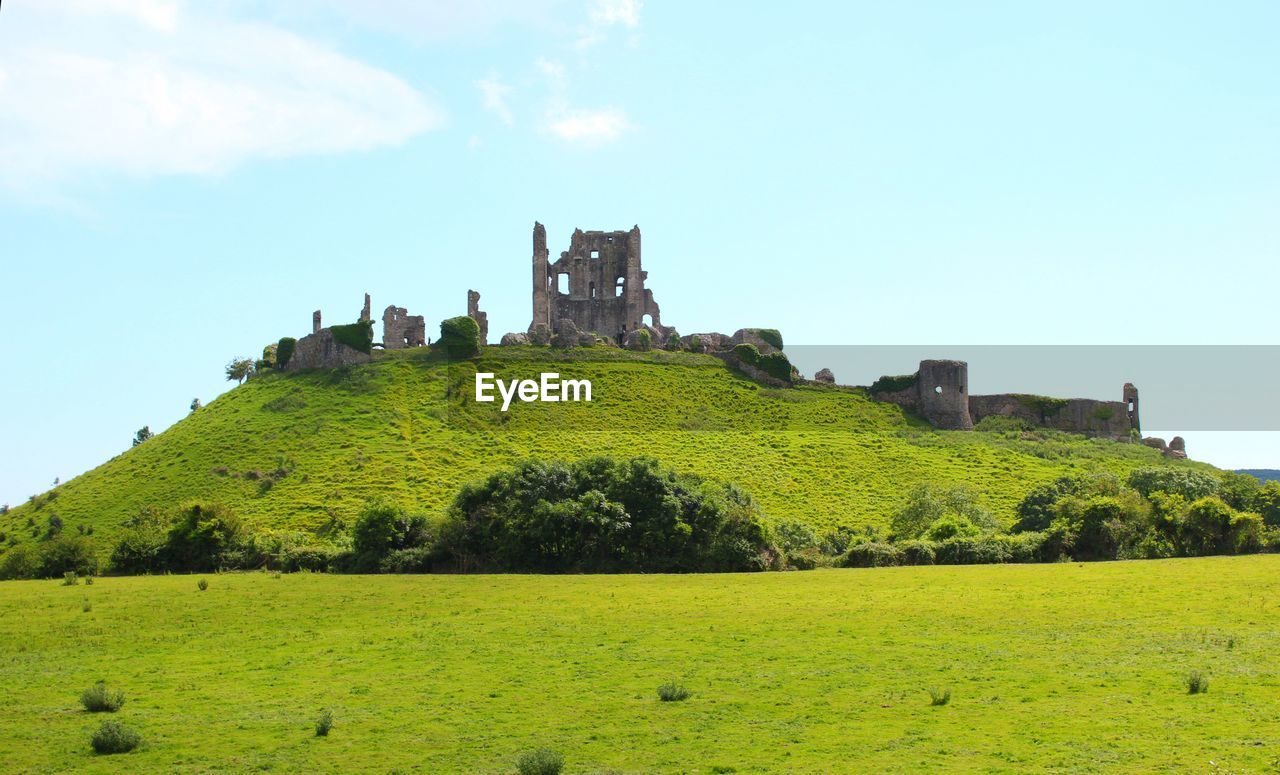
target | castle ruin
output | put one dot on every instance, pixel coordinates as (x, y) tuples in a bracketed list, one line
[(597, 285)]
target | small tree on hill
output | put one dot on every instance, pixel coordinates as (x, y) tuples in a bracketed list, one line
[(195, 404), (142, 435), (239, 369)]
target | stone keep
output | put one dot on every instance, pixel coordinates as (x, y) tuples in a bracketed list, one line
[(597, 283)]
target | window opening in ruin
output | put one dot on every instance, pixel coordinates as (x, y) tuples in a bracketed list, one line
[(617, 289), (1131, 406), (595, 254), (938, 390), (647, 319), (593, 290), (562, 281)]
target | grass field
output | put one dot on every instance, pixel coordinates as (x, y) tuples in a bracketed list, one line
[(1067, 667), (406, 426)]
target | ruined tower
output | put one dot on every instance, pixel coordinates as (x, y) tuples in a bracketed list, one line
[(479, 316), (944, 394), (1131, 406), (315, 322), (401, 330), (364, 311), (597, 284)]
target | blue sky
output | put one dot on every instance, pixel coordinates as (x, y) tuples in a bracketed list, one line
[(181, 183)]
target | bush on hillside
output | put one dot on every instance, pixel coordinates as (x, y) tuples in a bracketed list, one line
[(872, 554), (114, 737), (1190, 484), (384, 527), (22, 561), (99, 699), (927, 504), (357, 336), (65, 554), (460, 337), (284, 350), (602, 515), (894, 384), (205, 537)]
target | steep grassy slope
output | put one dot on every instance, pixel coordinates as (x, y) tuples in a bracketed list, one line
[(1053, 668), (305, 450)]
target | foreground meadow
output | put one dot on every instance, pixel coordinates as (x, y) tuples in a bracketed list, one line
[(1067, 667)]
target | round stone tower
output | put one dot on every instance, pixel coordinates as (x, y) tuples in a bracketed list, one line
[(944, 394)]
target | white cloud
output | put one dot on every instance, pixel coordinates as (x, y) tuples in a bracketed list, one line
[(552, 70), (145, 87), (604, 13), (494, 93), (588, 127)]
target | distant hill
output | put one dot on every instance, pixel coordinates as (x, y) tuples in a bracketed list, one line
[(304, 450), (1265, 474)]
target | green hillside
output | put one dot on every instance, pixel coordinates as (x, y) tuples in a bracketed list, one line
[(304, 450)]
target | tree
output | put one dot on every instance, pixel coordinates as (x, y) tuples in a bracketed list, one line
[(195, 404), (239, 369), (927, 504), (142, 435)]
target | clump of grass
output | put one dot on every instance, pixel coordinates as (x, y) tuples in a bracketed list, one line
[(1197, 682), (86, 606), (114, 737), (88, 581), (202, 584), (939, 695), (70, 579), (99, 699), (672, 692), (324, 723), (543, 761)]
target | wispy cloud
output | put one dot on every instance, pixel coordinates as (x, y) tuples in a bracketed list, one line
[(603, 14), (494, 93), (588, 127), (146, 87)]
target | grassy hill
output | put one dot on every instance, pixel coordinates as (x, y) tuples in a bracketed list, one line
[(303, 451), (1053, 668)]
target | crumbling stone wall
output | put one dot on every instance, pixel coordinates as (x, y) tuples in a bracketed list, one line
[(598, 284), (481, 318), (364, 311), (315, 322), (321, 350), (939, 393), (401, 330)]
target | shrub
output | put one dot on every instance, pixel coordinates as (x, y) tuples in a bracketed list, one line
[(68, 554), (770, 336), (1267, 503), (70, 579), (86, 606), (673, 341), (695, 346), (1206, 527), (872, 555), (324, 723), (114, 737), (206, 536), (1027, 547), (939, 696), (543, 761), (284, 350), (747, 353), (21, 562), (950, 526), (973, 550), (202, 585), (672, 692), (602, 515), (141, 547), (383, 527), (1197, 682), (889, 384), (927, 504), (357, 336), (414, 559), (644, 340), (916, 552), (460, 337), (1191, 485), (776, 365), (99, 699)]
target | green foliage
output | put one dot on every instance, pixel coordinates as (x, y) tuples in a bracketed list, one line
[(142, 435), (644, 340), (99, 699), (239, 369), (997, 423), (747, 353), (872, 554), (1197, 682), (776, 365), (951, 525), (202, 585), (673, 692), (695, 344), (1188, 483), (894, 384), (939, 695), (285, 349), (324, 723), (68, 554), (141, 546), (973, 550), (70, 579), (542, 761), (383, 527), (1267, 503), (1043, 406), (358, 335), (460, 337), (21, 562), (770, 336), (205, 536), (927, 504), (1239, 491), (114, 737), (602, 514)]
